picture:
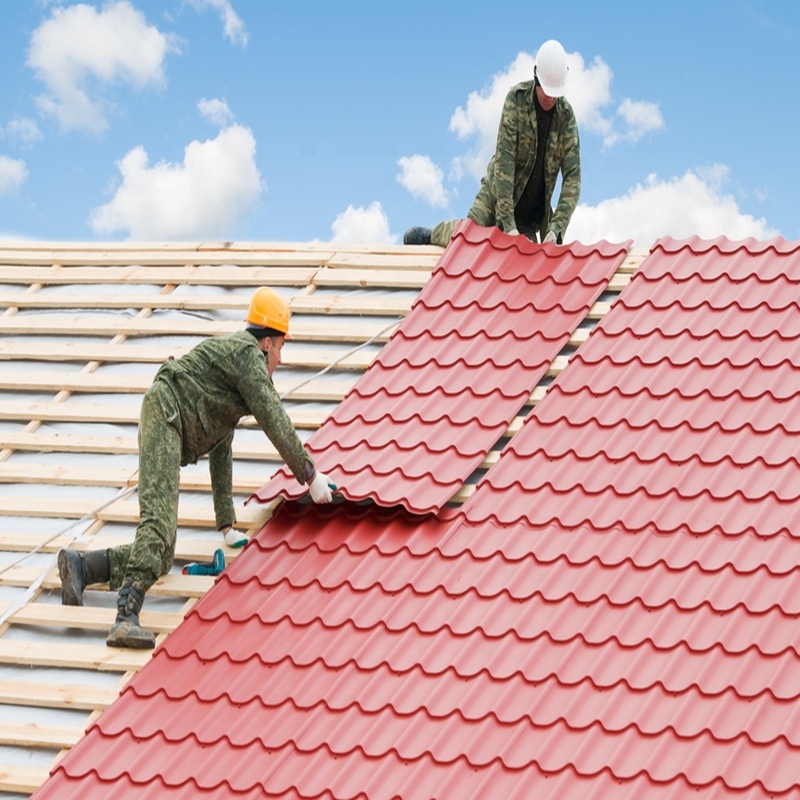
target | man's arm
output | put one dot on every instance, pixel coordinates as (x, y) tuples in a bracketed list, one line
[(571, 180), (220, 467), (505, 164)]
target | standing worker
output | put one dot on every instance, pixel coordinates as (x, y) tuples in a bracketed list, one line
[(538, 136), (192, 409)]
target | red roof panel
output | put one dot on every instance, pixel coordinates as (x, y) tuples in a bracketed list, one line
[(612, 614), (478, 339)]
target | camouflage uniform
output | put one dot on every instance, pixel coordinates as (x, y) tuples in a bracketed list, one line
[(512, 165), (191, 410)]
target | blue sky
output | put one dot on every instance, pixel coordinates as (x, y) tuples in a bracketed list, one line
[(351, 120)]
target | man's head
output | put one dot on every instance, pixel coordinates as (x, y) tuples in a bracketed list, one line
[(551, 71), (268, 320)]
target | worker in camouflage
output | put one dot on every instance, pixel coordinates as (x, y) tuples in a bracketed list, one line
[(192, 410), (537, 138)]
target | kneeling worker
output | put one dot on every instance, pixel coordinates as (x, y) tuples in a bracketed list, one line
[(192, 409)]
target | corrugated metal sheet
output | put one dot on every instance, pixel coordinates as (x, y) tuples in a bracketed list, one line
[(439, 395), (612, 614)]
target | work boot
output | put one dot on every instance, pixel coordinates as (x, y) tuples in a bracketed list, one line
[(417, 235), (79, 570), (126, 631)]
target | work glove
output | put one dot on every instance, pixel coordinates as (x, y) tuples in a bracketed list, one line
[(321, 488), (234, 538), (550, 238), (513, 232)]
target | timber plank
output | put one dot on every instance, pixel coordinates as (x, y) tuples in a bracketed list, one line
[(118, 477), (31, 735), (123, 413), (295, 355), (259, 450), (113, 325), (47, 695), (72, 656), (305, 304), (90, 618), (192, 515), (20, 778), (186, 548), (371, 279), (104, 383), (194, 272)]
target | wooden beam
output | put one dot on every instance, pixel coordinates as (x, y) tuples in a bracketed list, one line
[(90, 618), (22, 779), (48, 695), (72, 656), (259, 450), (331, 390), (31, 735), (123, 413)]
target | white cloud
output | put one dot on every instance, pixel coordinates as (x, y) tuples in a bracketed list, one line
[(232, 24), (13, 173), (205, 197), (216, 112), (694, 204), (640, 118), (363, 226), (80, 50), (423, 179), (24, 131)]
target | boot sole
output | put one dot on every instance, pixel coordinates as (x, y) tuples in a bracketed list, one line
[(131, 642), (68, 596)]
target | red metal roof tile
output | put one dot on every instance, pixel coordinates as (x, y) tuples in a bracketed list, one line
[(478, 339), (612, 614)]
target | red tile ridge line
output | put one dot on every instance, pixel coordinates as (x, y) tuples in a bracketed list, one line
[(537, 718), (447, 630), (529, 280), (476, 234), (449, 672), (733, 281), (619, 525), (705, 303), (725, 245), (506, 758), (549, 597), (663, 396), (602, 332), (696, 459), (632, 556)]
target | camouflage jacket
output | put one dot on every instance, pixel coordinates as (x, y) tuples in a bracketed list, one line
[(214, 385), (515, 155)]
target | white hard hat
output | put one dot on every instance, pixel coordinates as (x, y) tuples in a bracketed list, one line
[(551, 68)]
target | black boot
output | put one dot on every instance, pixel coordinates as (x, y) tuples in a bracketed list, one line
[(417, 235), (79, 570), (126, 631)]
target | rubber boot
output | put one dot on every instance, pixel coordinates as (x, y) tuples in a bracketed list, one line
[(79, 570), (417, 235), (126, 631)]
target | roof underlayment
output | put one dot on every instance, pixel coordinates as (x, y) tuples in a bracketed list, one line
[(605, 608)]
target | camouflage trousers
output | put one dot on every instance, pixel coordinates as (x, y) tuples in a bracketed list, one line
[(483, 213), (152, 551)]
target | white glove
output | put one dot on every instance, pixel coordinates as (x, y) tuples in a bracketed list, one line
[(321, 488), (235, 539), (550, 238), (513, 232)]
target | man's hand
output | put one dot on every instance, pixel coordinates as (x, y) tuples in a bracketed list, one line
[(550, 238), (321, 488)]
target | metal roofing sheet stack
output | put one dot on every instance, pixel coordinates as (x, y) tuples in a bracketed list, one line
[(480, 336), (594, 623)]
